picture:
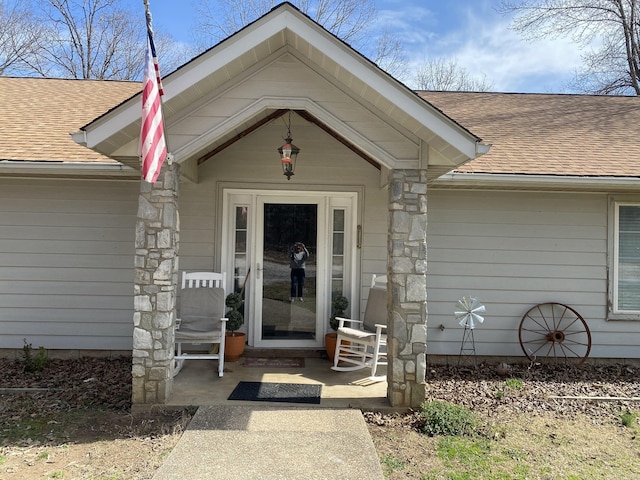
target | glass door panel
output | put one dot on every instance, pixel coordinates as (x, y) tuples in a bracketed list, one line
[(259, 228), (240, 264), (289, 273)]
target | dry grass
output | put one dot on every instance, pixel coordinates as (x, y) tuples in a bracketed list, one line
[(526, 432)]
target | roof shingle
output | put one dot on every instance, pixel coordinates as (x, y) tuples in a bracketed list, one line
[(548, 134), (530, 134), (37, 116)]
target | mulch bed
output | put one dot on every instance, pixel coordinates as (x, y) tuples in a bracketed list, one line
[(105, 383), (71, 384)]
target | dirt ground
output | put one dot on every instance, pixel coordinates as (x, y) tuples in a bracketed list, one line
[(81, 428), (529, 432)]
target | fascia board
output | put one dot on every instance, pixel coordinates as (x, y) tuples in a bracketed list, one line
[(68, 168), (128, 113), (488, 180), (405, 99), (268, 27)]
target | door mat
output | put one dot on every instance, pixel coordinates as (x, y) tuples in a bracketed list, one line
[(279, 362), (277, 392)]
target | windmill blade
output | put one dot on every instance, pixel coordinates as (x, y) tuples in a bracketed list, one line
[(467, 321), (468, 312)]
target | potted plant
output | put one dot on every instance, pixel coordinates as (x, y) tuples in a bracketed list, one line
[(339, 305), (234, 341)]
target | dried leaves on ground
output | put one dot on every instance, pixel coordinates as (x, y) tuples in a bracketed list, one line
[(540, 422), (73, 420), (81, 426)]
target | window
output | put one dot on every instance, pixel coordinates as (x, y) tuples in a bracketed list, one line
[(337, 253), (625, 272), (240, 263)]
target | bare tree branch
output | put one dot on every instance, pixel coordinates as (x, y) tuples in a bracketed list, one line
[(614, 66), (444, 74), (350, 20), (389, 55), (19, 31), (79, 39)]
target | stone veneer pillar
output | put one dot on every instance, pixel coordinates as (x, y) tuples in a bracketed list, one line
[(156, 279), (407, 268)]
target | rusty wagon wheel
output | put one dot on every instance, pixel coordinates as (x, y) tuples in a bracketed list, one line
[(554, 331)]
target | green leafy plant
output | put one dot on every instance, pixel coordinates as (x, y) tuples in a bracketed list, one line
[(339, 305), (234, 315), (43, 455), (33, 363), (629, 419), (514, 383), (443, 418), (391, 463), (509, 384)]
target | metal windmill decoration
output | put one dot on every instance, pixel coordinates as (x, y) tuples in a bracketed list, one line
[(468, 313)]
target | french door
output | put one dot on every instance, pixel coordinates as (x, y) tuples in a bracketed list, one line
[(287, 302)]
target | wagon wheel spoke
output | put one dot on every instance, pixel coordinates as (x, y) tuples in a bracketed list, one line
[(552, 331), (534, 353)]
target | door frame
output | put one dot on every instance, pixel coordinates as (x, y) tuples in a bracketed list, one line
[(327, 201)]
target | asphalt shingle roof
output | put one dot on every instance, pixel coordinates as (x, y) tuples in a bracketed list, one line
[(37, 116), (548, 134), (531, 134)]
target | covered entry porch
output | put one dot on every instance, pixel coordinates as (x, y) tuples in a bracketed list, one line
[(199, 384), (359, 130)]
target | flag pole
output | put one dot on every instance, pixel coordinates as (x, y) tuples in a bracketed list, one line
[(149, 22)]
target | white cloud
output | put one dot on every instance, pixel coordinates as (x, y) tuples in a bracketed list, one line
[(402, 23), (514, 64), (480, 40)]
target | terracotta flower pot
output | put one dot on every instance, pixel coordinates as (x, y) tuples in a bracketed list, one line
[(234, 343), (330, 344)]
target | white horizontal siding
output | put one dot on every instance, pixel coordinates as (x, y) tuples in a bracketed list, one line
[(514, 250), (198, 210), (66, 263)]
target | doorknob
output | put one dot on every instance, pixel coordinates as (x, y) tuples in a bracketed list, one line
[(258, 270)]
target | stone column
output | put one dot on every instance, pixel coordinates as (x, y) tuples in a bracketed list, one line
[(407, 268), (156, 279)]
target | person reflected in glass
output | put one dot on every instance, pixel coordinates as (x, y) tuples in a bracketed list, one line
[(298, 254)]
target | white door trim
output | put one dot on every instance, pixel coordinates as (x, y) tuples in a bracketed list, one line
[(327, 201)]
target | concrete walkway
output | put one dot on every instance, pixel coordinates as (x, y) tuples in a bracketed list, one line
[(264, 442)]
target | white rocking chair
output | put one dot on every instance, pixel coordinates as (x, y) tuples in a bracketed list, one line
[(363, 343), (202, 318)]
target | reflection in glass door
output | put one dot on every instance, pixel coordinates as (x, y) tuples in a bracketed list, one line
[(289, 273)]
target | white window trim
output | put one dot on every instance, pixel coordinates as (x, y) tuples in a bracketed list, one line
[(613, 314)]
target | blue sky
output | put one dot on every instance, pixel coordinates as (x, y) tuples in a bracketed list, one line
[(469, 31)]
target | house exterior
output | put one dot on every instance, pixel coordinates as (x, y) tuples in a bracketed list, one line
[(515, 199)]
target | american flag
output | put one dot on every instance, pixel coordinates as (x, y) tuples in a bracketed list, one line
[(153, 148)]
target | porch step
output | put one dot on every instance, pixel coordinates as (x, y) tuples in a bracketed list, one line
[(284, 352)]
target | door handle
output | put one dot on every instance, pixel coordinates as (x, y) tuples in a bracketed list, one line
[(258, 270)]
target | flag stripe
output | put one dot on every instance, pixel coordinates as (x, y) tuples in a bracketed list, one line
[(154, 55), (153, 148)]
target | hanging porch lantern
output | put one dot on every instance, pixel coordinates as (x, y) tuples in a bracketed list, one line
[(288, 153)]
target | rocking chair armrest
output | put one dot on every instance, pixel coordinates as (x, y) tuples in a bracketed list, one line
[(179, 322), (342, 321)]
